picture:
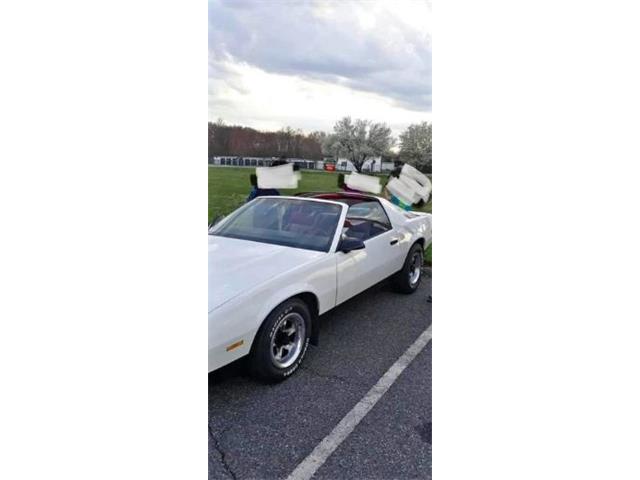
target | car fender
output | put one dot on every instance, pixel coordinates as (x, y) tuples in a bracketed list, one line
[(282, 295)]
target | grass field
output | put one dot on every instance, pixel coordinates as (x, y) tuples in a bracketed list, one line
[(229, 188)]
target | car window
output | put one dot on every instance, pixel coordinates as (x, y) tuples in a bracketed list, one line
[(366, 220), (289, 222)]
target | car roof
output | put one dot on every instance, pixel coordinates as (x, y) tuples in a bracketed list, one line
[(302, 197), (344, 197)]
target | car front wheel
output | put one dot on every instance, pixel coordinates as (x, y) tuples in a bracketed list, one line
[(281, 343)]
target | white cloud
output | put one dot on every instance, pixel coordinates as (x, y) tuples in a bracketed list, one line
[(307, 64)]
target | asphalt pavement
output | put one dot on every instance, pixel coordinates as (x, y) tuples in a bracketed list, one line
[(259, 431)]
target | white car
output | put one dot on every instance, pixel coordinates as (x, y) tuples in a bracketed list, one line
[(277, 263)]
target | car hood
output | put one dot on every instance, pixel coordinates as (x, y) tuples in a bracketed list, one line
[(237, 266)]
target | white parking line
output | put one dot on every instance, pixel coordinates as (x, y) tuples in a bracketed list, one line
[(326, 447)]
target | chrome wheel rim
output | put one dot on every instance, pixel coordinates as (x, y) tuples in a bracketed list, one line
[(415, 269), (287, 340)]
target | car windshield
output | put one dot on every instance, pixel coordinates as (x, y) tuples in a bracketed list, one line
[(306, 224)]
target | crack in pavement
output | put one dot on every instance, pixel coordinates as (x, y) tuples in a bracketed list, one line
[(223, 455)]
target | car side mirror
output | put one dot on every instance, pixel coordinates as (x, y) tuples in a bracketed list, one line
[(349, 244)]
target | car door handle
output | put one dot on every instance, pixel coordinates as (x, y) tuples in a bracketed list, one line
[(393, 241)]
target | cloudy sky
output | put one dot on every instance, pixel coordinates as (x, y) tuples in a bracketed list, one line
[(305, 64)]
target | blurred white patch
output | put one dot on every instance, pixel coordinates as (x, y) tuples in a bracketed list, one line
[(401, 190), (417, 175), (363, 183), (281, 176), (411, 186)]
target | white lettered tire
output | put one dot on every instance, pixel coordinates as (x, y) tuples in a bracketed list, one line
[(281, 342)]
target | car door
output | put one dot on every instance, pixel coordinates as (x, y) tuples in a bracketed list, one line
[(361, 269)]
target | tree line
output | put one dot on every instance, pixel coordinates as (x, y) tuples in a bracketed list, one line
[(235, 140), (358, 140)]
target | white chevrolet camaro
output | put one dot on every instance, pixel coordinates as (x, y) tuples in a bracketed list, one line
[(277, 263)]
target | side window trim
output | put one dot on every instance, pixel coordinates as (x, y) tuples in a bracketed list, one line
[(379, 205), (386, 225)]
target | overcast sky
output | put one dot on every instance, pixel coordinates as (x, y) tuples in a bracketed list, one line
[(305, 64)]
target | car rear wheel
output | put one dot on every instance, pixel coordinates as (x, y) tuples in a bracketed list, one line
[(408, 279), (281, 343)]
